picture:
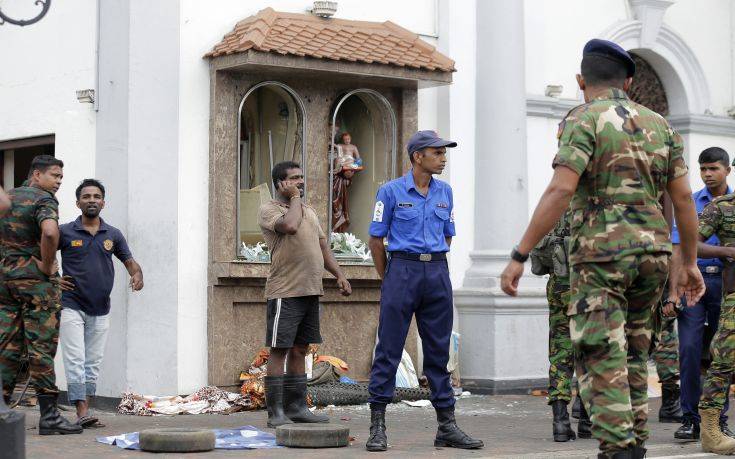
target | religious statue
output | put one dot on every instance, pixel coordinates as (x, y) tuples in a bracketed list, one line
[(347, 163)]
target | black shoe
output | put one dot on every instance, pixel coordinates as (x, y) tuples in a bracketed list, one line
[(725, 429), (584, 426), (689, 430), (51, 421), (576, 407), (377, 441), (274, 401), (620, 454), (638, 452), (294, 400), (450, 435), (670, 407), (562, 428)]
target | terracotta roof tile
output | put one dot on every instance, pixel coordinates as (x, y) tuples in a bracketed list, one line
[(334, 39)]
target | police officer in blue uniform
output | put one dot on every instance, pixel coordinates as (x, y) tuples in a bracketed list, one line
[(415, 214)]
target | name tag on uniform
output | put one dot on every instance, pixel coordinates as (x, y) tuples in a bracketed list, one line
[(405, 205), (443, 205), (77, 243)]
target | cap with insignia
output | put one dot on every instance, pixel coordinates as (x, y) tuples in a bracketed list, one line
[(610, 50)]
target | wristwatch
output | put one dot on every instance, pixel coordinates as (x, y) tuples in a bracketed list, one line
[(518, 256)]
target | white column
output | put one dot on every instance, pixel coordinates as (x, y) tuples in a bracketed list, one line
[(504, 342), (9, 169)]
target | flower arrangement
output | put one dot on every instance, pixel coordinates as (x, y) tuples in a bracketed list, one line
[(346, 247)]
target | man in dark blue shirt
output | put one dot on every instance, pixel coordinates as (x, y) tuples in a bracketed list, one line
[(87, 245), (415, 214), (697, 324)]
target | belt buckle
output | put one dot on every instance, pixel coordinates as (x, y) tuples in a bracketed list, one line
[(425, 257), (712, 269)]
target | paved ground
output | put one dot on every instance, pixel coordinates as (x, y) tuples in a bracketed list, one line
[(511, 426)]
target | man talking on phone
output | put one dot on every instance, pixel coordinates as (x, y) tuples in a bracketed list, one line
[(87, 245), (300, 253)]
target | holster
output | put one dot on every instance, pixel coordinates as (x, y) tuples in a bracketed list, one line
[(728, 276)]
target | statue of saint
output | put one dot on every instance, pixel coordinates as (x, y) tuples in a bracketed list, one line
[(347, 163)]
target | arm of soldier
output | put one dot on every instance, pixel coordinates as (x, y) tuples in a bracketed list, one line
[(669, 309), (709, 224), (689, 280), (5, 203), (49, 243), (550, 208)]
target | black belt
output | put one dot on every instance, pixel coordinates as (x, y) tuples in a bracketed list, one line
[(436, 256)]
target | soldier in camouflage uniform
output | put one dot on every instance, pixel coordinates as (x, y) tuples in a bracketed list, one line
[(30, 297), (615, 160), (665, 354), (718, 218)]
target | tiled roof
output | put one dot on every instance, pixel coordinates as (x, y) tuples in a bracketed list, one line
[(337, 39)]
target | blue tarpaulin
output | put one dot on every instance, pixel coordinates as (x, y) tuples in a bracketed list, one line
[(245, 437)]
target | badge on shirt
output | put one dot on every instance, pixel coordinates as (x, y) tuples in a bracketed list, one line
[(405, 205), (77, 243), (451, 216), (378, 212), (442, 205), (107, 244)]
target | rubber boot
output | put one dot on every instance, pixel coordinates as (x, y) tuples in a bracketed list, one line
[(584, 426), (562, 428), (274, 401), (450, 435), (670, 406), (713, 440), (575, 407), (294, 400), (51, 421), (377, 441)]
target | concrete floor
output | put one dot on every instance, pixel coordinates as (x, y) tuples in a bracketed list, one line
[(510, 426)]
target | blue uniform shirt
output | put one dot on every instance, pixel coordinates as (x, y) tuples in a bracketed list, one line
[(701, 199), (412, 222), (88, 260)]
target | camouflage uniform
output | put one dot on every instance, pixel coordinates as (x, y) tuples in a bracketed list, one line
[(666, 349), (29, 300), (625, 155), (719, 218)]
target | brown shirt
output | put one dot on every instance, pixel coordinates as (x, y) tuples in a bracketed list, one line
[(297, 263)]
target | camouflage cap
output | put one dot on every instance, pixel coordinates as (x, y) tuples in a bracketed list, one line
[(610, 50)]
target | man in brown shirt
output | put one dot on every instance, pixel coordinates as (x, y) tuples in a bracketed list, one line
[(299, 254)]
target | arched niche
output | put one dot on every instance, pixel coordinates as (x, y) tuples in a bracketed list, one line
[(271, 128), (371, 121)]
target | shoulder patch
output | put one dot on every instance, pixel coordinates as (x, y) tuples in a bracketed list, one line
[(378, 212)]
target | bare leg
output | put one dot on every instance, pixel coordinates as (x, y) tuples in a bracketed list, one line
[(296, 356), (276, 360), (82, 407)]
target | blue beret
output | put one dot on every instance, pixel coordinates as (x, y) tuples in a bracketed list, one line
[(610, 50)]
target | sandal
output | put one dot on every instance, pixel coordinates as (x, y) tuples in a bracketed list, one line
[(87, 421)]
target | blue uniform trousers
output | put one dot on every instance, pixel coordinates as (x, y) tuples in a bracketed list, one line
[(421, 288), (693, 335)]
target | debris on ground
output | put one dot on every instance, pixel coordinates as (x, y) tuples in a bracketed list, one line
[(245, 437), (209, 399)]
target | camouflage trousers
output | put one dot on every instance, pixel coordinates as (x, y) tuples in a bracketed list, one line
[(561, 358), (666, 350), (719, 374), (611, 335), (29, 323)]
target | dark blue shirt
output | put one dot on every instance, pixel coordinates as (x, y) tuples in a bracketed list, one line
[(701, 199), (88, 260), (412, 222)]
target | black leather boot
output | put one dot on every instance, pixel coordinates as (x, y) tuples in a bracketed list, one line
[(575, 407), (584, 426), (670, 406), (562, 428), (620, 454), (450, 435), (294, 400), (377, 441), (638, 452), (725, 429), (274, 401), (689, 430), (51, 421)]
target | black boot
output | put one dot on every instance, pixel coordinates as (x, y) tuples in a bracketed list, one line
[(670, 406), (639, 452), (274, 401), (450, 435), (584, 426), (294, 400), (561, 426), (620, 454), (377, 441), (725, 429), (575, 407), (689, 430), (51, 421)]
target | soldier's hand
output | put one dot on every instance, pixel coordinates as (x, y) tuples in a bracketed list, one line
[(66, 283), (510, 277), (690, 284), (47, 270), (344, 286), (670, 308)]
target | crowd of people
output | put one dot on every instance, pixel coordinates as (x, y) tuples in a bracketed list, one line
[(39, 308)]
